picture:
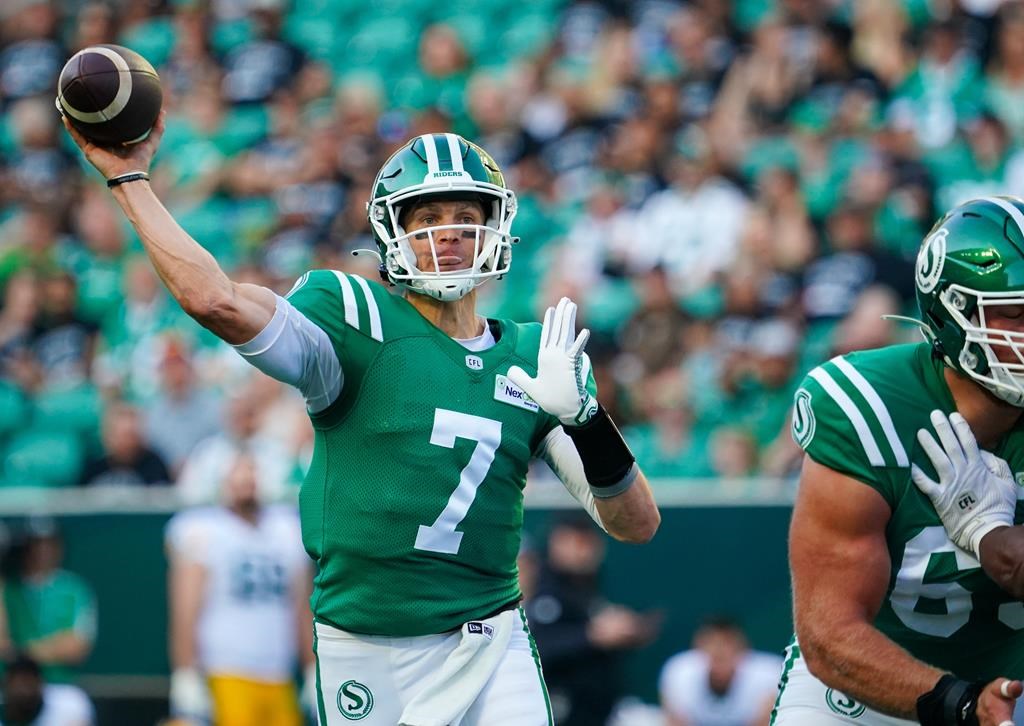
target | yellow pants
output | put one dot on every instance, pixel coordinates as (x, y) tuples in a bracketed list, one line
[(241, 702)]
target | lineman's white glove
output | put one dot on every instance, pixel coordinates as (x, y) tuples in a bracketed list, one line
[(975, 492), (190, 696), (560, 387)]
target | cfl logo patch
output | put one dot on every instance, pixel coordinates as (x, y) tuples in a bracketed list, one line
[(966, 502)]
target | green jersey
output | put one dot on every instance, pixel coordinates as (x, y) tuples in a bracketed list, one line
[(859, 414), (41, 608), (413, 504)]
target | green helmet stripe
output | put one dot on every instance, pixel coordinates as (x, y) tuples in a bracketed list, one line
[(443, 151), (1010, 209), (454, 152), (430, 149)]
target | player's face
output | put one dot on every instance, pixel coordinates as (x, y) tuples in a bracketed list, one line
[(1011, 319), (724, 651), (455, 248), (241, 488)]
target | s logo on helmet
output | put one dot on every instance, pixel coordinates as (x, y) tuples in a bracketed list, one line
[(930, 261), (803, 418)]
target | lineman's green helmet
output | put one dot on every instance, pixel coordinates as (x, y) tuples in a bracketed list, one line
[(442, 166), (971, 262)]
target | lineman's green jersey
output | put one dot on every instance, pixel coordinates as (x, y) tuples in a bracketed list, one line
[(412, 507), (859, 414)]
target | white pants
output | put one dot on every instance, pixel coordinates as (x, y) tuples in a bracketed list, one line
[(806, 701), (371, 679)]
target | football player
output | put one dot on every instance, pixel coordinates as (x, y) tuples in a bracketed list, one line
[(426, 417), (895, 624), (239, 622)]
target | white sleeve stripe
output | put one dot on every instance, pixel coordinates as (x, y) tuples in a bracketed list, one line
[(877, 406), (867, 440), (371, 305), (348, 298)]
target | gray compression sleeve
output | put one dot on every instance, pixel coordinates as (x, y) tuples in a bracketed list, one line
[(294, 350)]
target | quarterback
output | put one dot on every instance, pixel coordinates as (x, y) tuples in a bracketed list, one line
[(426, 417), (896, 620)]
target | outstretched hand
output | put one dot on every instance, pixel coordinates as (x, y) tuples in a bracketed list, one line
[(112, 161), (560, 387)]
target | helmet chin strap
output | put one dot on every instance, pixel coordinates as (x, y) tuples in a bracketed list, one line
[(447, 292), (1009, 388), (1000, 382)]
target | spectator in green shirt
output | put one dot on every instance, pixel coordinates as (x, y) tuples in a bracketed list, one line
[(51, 613)]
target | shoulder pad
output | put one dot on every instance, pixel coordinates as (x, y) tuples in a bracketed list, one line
[(838, 414)]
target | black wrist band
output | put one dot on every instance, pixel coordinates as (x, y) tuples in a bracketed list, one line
[(952, 702), (607, 461), (125, 178)]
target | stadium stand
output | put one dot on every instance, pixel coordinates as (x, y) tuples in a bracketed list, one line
[(732, 191)]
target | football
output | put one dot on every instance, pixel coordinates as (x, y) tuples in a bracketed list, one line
[(111, 94)]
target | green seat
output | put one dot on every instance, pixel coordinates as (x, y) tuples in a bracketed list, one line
[(42, 459), (319, 39), (76, 410), (153, 39), (526, 35), (13, 409), (383, 40)]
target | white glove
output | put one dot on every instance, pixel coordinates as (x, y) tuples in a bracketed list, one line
[(560, 387), (975, 492), (190, 696)]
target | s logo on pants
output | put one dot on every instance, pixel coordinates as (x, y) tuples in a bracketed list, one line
[(355, 701)]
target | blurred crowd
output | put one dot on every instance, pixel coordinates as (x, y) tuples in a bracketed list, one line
[(732, 191)]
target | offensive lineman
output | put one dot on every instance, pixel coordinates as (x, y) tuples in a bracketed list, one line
[(894, 623), (237, 569), (426, 417)]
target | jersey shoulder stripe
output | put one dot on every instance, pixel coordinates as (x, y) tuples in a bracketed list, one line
[(848, 407), (373, 311), (348, 299), (298, 285), (373, 326), (878, 407), (845, 400)]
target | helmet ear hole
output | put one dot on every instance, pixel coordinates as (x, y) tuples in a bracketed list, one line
[(973, 358)]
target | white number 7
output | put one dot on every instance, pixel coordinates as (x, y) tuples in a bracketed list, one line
[(448, 426)]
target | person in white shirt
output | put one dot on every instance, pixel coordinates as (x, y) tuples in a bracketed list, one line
[(240, 621), (692, 229), (210, 460), (721, 681)]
